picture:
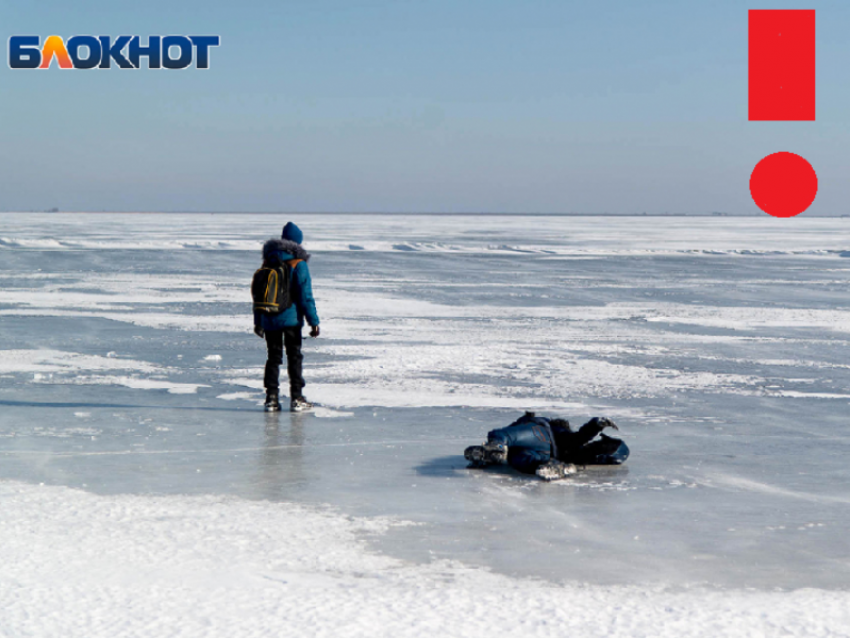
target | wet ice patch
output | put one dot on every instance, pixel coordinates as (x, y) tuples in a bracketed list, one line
[(51, 432), (387, 391), (328, 413), (58, 361), (40, 244), (243, 396), (256, 383), (741, 483), (60, 367), (115, 292), (751, 318), (137, 383), (810, 395), (158, 320)]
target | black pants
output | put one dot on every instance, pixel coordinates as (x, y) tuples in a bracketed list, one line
[(276, 341)]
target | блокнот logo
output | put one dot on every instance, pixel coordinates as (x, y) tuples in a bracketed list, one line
[(126, 51)]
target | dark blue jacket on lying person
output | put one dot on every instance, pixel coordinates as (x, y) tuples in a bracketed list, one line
[(277, 252), (534, 440)]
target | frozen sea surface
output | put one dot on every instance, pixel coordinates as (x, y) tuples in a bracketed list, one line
[(127, 367)]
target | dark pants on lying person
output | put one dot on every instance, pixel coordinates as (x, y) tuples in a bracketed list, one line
[(276, 342)]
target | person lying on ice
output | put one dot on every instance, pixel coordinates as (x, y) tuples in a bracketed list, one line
[(548, 448)]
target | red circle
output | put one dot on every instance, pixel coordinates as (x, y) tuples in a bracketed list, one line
[(783, 184)]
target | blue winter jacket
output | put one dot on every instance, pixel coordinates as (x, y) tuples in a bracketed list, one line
[(275, 253)]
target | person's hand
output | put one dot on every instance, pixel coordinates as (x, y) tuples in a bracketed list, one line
[(605, 422), (314, 331), (259, 332)]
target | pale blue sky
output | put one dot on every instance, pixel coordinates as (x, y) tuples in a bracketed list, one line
[(445, 106)]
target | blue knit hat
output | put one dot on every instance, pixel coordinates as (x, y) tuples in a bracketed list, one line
[(292, 233)]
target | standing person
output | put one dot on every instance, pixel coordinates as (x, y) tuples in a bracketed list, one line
[(282, 330)]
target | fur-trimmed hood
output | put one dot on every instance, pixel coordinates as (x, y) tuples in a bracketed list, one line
[(273, 247)]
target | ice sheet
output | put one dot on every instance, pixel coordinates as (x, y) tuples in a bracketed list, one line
[(717, 344)]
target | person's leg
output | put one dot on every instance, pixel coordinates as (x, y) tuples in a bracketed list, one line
[(606, 451), (532, 436), (274, 344), (527, 461), (294, 361), (506, 443)]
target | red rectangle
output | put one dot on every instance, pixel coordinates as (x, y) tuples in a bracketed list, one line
[(782, 64)]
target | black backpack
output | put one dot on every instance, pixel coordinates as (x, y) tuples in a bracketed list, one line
[(271, 287)]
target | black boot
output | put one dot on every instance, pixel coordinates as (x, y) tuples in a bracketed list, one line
[(487, 454), (555, 470), (299, 404), (272, 401)]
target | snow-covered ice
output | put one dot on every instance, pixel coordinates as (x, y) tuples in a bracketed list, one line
[(213, 566), (718, 344)]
